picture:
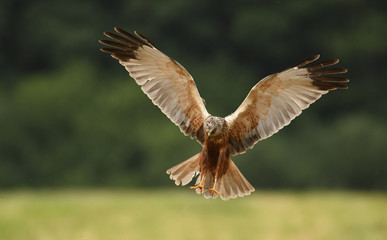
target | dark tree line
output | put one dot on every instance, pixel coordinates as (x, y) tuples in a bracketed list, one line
[(71, 116)]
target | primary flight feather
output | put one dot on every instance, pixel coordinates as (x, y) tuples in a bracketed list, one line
[(270, 105)]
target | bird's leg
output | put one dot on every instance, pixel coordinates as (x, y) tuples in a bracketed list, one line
[(221, 161), (202, 170), (213, 189), (200, 185)]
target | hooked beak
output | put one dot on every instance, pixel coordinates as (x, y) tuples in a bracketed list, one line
[(209, 135)]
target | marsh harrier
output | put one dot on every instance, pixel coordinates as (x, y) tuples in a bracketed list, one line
[(270, 105)]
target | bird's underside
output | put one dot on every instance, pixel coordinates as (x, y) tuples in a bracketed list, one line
[(270, 105)]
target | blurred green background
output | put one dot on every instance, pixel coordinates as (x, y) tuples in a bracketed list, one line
[(70, 116), (83, 152)]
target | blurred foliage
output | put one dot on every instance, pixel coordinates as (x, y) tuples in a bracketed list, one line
[(71, 116)]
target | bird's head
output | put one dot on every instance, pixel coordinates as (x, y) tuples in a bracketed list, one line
[(213, 126)]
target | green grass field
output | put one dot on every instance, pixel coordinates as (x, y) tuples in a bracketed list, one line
[(181, 214)]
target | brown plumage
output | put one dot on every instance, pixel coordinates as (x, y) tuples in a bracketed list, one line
[(270, 105)]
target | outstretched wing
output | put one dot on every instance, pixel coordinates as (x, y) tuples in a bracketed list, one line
[(277, 99), (164, 80)]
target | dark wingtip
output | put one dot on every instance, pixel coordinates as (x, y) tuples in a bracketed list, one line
[(307, 61), (328, 86), (121, 46), (322, 75), (144, 39), (118, 29), (313, 58)]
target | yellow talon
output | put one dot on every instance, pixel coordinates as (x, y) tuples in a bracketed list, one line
[(212, 190), (200, 185)]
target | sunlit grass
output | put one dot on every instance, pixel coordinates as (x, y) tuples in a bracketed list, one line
[(181, 214)]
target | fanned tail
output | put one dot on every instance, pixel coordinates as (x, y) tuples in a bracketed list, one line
[(232, 184), (185, 171)]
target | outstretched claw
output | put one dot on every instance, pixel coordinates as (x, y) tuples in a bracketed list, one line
[(200, 185), (213, 190)]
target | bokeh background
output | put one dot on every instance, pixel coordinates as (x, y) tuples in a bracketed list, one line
[(71, 117)]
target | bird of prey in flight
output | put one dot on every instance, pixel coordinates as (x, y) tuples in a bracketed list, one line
[(269, 106)]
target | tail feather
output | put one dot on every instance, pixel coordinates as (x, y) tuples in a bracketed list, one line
[(185, 171), (243, 186), (232, 184)]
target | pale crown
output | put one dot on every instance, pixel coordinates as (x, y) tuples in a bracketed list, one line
[(213, 125)]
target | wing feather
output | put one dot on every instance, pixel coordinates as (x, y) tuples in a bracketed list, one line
[(162, 79), (277, 99)]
